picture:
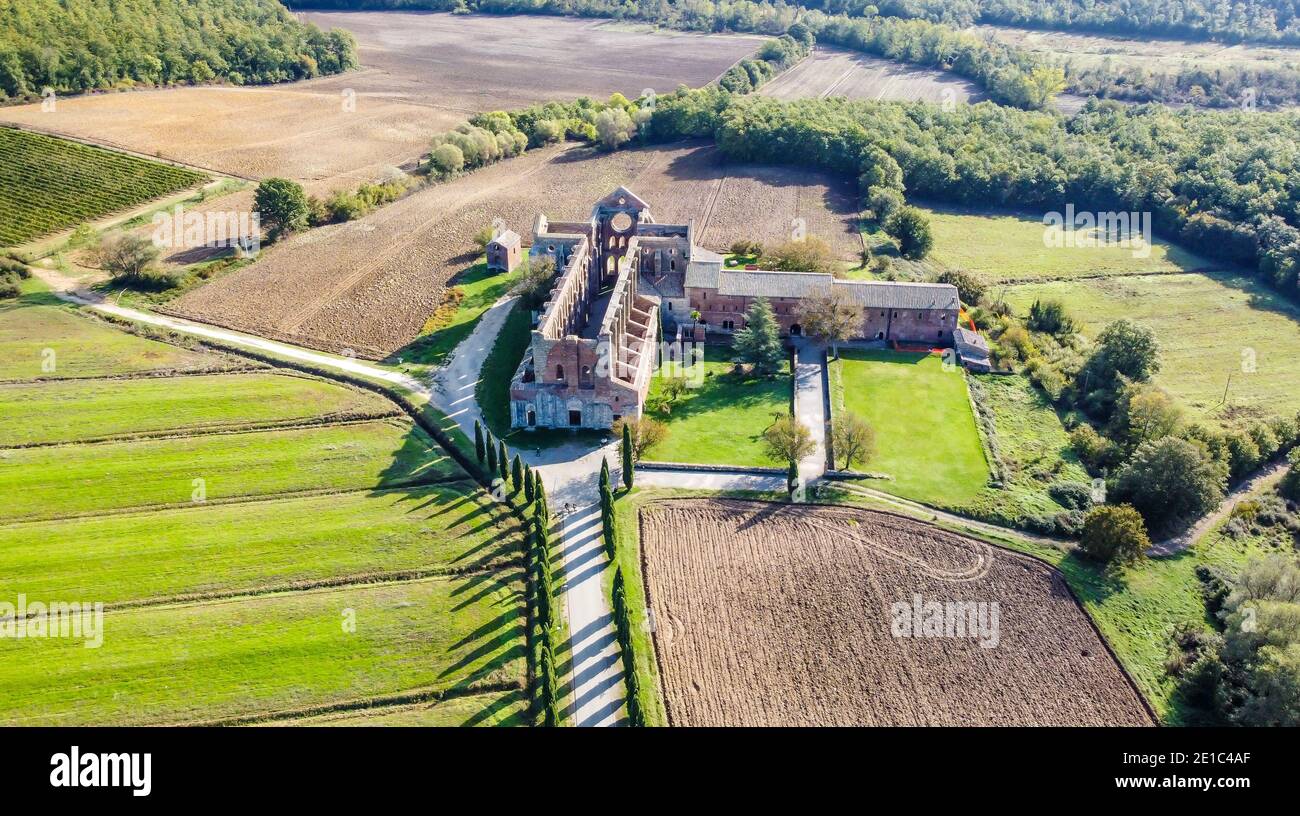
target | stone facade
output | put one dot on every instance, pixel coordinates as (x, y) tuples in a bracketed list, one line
[(907, 313), (592, 353), (504, 252)]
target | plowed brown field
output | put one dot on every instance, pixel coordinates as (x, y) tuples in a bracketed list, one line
[(421, 73), (772, 614), (369, 285)]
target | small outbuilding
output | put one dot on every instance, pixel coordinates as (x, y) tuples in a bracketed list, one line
[(972, 350), (505, 251)]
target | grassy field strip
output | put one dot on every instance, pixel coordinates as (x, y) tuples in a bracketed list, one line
[(926, 437), (479, 288), (66, 480), (85, 410), (721, 422), (508, 707), (42, 339), (234, 658), (207, 550), (1012, 247), (1208, 326)]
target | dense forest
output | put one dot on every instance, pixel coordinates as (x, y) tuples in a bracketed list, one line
[(1226, 184), (72, 46), (1236, 21)]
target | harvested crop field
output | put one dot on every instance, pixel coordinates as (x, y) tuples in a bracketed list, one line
[(774, 615), (370, 285), (421, 73), (836, 72), (498, 62)]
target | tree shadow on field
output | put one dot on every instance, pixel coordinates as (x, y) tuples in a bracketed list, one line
[(512, 699)]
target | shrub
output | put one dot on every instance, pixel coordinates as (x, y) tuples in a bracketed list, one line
[(911, 229), (970, 285), (1071, 495), (1114, 534), (1049, 317), (1171, 479)]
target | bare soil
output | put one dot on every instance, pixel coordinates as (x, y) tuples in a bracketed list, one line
[(837, 72), (780, 615)]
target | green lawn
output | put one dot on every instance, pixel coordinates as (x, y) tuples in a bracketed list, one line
[(1010, 247), (1207, 325), (48, 482), (69, 411), (270, 653), (479, 289), (496, 709), (279, 543), (39, 338), (926, 437), (722, 421)]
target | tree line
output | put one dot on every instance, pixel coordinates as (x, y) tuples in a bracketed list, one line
[(1237, 21), (74, 46)]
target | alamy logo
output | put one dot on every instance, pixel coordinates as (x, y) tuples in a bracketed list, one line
[(1085, 230), (91, 770), (57, 619), (920, 618)]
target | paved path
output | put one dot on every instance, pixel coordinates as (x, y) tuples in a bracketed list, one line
[(454, 383), (596, 670), (238, 339), (1264, 478), (810, 406)]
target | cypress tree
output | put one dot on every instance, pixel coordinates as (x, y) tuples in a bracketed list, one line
[(604, 475), (530, 489), (550, 712), (491, 455), (478, 441), (627, 456), (517, 473), (503, 459), (540, 531), (541, 500)]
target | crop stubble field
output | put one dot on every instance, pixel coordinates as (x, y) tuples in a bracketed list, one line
[(315, 503), (421, 74), (832, 71), (370, 285), (777, 615)]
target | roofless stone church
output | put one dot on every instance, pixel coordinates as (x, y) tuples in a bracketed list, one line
[(623, 279)]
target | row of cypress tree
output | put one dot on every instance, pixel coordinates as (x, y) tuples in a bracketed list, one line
[(519, 478)]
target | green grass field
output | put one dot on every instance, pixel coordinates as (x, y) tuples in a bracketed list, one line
[(279, 543), (40, 338), (722, 421), (49, 184), (70, 411), (479, 289), (233, 607), (1010, 247), (48, 482), (1207, 325), (926, 437), (249, 656)]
